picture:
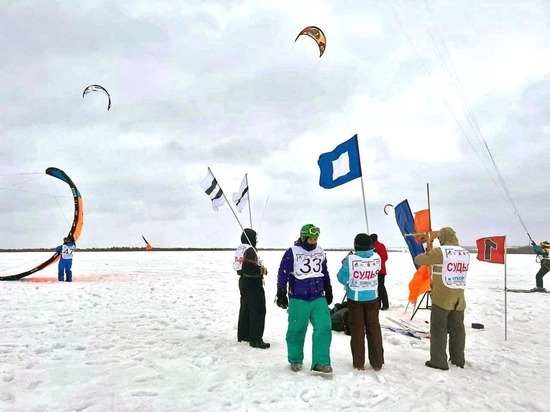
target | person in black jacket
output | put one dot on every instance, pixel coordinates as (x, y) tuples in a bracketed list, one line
[(252, 311)]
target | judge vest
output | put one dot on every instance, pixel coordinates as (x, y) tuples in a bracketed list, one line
[(308, 263), (363, 272), (455, 266)]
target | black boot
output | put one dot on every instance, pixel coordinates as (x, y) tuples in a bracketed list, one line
[(260, 344)]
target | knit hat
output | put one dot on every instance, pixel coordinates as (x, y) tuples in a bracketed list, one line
[(363, 242)]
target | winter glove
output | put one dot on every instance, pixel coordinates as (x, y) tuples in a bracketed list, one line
[(328, 294), (282, 298), (263, 271)]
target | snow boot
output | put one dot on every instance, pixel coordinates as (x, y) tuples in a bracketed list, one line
[(260, 344)]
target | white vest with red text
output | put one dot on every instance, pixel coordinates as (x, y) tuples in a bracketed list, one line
[(455, 266), (363, 272)]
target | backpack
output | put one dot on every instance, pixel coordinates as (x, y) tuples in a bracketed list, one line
[(339, 316)]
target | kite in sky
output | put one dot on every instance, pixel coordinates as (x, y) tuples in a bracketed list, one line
[(97, 88), (316, 34)]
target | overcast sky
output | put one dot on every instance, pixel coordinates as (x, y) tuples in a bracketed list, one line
[(428, 86)]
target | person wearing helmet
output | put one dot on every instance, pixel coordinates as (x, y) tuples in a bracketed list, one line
[(251, 286), (303, 270), (543, 253), (359, 274), (66, 250), (449, 268)]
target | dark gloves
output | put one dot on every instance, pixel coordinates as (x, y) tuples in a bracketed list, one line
[(328, 294), (282, 298)]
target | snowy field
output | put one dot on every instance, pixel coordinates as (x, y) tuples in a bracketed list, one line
[(156, 331)]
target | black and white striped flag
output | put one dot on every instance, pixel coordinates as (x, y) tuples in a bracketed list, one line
[(240, 198), (212, 188)]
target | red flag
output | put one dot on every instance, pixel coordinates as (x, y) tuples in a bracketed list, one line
[(491, 249)]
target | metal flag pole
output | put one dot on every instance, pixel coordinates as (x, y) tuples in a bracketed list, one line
[(364, 204), (248, 191), (505, 296)]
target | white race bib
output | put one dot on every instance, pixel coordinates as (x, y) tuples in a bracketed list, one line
[(308, 264)]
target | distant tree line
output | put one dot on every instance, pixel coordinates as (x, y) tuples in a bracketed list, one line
[(522, 250)]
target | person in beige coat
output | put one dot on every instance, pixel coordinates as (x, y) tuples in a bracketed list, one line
[(449, 267)]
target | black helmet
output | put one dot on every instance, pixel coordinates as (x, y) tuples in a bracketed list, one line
[(363, 242)]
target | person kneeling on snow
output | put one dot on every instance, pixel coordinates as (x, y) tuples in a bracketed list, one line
[(449, 267)]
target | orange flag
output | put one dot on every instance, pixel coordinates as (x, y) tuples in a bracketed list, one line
[(419, 284), (422, 221)]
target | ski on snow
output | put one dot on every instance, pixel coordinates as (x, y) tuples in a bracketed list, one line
[(407, 329), (523, 291)]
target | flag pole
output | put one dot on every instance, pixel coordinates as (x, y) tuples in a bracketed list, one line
[(505, 295), (429, 207), (263, 213), (364, 204), (249, 207)]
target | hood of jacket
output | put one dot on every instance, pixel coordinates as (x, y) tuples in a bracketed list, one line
[(447, 236), (249, 237)]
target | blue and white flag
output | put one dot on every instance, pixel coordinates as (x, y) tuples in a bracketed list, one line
[(341, 165), (212, 188)]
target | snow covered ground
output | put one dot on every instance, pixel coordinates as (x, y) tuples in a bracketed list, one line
[(156, 331)]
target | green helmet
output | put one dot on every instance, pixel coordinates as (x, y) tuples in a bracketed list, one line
[(309, 230)]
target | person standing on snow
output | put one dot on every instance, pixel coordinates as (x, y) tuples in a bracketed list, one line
[(381, 250), (449, 268), (251, 286), (66, 251), (304, 270), (359, 274), (542, 250)]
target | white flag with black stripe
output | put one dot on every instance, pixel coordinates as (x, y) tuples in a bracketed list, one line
[(240, 198), (212, 188)]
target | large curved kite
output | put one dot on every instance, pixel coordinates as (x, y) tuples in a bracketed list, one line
[(316, 34), (97, 88), (76, 227)]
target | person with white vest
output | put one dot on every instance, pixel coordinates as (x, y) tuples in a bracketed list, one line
[(449, 268), (359, 273), (252, 310)]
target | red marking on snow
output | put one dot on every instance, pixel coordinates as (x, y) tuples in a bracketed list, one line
[(95, 278)]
